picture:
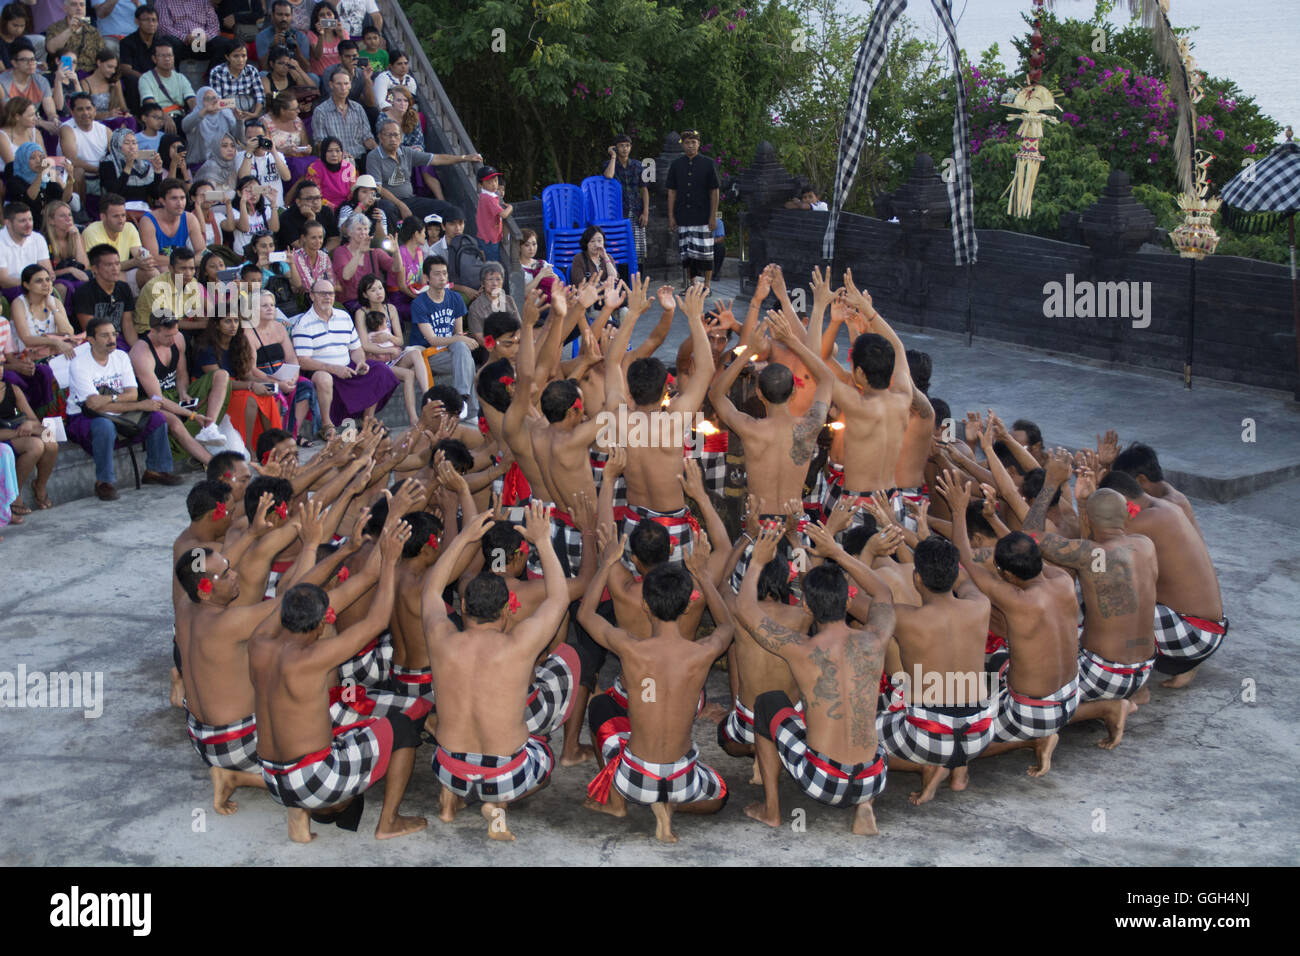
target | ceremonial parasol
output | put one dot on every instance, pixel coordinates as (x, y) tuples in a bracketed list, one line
[(1259, 197)]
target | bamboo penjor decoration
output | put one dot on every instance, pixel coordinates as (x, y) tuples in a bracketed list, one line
[(1033, 101)]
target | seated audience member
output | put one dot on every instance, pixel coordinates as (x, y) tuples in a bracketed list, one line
[(329, 349), (255, 213), (123, 173), (492, 298), (32, 451), (280, 31), (176, 292), (83, 140), (225, 345), (241, 18), (190, 22), (274, 351), (310, 261), (240, 81), (212, 207), (343, 119), (262, 160), (40, 330), (372, 49), (220, 168), (334, 172), (114, 229), (18, 126), (67, 248), (352, 15), (206, 125), (391, 165), (365, 193), (397, 74), (102, 381), (437, 319), (170, 226), (172, 150), (20, 247), (406, 276), (106, 90), (282, 76), (286, 128), (74, 34), (358, 72), (400, 108), (308, 205), (380, 330), (135, 50), (355, 258), (324, 38), (153, 123), (192, 408), (258, 251), (13, 22), (167, 86), (37, 180), (105, 296)]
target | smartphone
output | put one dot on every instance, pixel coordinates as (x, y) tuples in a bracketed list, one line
[(278, 257), (229, 275), (192, 403), (219, 194), (224, 104), (147, 154), (68, 61)]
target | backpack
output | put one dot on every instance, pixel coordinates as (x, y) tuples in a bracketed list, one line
[(466, 261)]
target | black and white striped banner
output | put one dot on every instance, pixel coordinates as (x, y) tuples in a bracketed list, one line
[(871, 57)]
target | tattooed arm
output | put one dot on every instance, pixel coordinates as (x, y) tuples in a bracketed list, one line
[(769, 635)]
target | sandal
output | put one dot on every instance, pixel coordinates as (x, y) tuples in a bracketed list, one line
[(18, 509), (42, 499), (304, 442)]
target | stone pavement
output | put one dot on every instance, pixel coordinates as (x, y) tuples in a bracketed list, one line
[(1203, 776)]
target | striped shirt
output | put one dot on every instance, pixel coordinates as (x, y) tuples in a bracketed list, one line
[(351, 130), (325, 341)]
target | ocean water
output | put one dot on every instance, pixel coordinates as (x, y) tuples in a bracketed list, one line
[(1252, 42)]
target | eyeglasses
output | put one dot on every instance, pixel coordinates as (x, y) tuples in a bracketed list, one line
[(315, 198), (24, 59)]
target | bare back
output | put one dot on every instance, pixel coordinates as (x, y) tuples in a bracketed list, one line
[(838, 672), (1186, 581), (942, 642), (292, 697), (780, 448), (217, 687), (654, 462), (481, 678), (1042, 635), (1119, 594), (759, 669), (873, 437), (665, 674), (565, 463)]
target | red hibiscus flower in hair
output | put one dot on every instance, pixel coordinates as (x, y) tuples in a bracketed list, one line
[(205, 585), (219, 511), (330, 616), (489, 342), (282, 509), (513, 603), (344, 574)]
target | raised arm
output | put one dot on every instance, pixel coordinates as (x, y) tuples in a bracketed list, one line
[(692, 398), (769, 634), (861, 300), (692, 482), (602, 632)]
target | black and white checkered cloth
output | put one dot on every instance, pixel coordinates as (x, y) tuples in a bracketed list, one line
[(742, 563), (1179, 638), (273, 578), (870, 60), (939, 736), (638, 239), (370, 666), (1270, 185), (356, 761), (898, 502), (825, 780), (1025, 718), (551, 695), (566, 539), (229, 746), (416, 682), (1100, 679), (495, 779), (679, 524), (695, 242), (739, 725), (686, 780)]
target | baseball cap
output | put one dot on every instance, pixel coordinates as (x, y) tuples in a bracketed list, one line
[(433, 217), (485, 173)]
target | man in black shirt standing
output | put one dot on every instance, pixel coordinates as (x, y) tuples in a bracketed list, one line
[(693, 208)]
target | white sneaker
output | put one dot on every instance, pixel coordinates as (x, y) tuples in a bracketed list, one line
[(211, 435)]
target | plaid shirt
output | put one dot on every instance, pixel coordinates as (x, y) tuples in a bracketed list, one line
[(352, 130), (248, 83), (630, 177), (180, 18)]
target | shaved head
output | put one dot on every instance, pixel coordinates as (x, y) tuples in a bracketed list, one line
[(1107, 509)]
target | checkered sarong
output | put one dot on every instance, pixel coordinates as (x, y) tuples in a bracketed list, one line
[(273, 579), (739, 725), (638, 240), (680, 524), (372, 663), (1100, 679), (695, 242), (1025, 718), (598, 459), (996, 654), (352, 764), (566, 538), (1187, 638), (825, 780), (898, 501), (825, 490), (938, 736), (495, 779), (550, 697), (353, 703), (742, 563), (417, 682), (686, 780), (229, 746)]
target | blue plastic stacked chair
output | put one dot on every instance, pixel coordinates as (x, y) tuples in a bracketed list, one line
[(602, 201), (563, 221)]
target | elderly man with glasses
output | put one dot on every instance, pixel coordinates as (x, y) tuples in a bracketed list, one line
[(329, 350)]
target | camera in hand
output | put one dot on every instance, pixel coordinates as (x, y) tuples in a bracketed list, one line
[(263, 142)]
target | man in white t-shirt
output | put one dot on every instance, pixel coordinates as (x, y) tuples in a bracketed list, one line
[(352, 14), (101, 380), (84, 140), (264, 163), (20, 247)]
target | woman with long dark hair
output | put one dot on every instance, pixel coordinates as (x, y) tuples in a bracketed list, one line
[(253, 408)]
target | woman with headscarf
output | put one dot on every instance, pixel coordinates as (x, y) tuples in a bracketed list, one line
[(122, 171), (32, 180), (220, 169), (205, 125), (334, 171)]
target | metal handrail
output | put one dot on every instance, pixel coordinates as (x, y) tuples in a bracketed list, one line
[(433, 101)]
